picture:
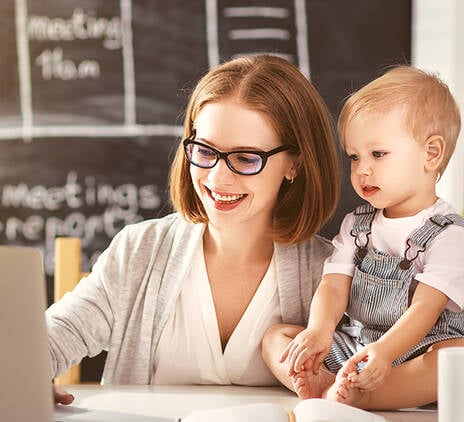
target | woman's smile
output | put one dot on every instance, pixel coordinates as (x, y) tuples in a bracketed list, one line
[(226, 198)]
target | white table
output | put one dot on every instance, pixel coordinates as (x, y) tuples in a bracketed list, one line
[(180, 400)]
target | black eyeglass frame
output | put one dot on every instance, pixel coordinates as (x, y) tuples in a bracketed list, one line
[(224, 155)]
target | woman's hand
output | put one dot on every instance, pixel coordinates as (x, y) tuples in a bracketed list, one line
[(61, 397)]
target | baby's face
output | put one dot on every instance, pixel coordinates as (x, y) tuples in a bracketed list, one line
[(388, 164)]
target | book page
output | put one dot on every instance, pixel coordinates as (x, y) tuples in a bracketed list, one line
[(320, 410), (79, 414), (244, 413)]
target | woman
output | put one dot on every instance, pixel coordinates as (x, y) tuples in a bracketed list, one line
[(253, 181)]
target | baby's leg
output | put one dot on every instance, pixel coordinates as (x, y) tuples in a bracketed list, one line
[(411, 384), (305, 384)]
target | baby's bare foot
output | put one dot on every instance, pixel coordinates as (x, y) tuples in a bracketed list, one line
[(308, 385), (343, 391)]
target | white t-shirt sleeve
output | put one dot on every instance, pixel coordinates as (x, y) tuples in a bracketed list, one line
[(342, 259), (444, 266)]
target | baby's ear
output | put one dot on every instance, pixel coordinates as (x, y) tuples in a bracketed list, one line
[(434, 149)]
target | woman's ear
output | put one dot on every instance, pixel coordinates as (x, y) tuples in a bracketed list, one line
[(293, 170), (434, 152)]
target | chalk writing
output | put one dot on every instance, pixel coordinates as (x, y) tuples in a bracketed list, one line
[(55, 66), (116, 206), (82, 25)]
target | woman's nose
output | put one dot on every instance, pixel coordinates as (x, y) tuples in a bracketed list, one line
[(221, 173)]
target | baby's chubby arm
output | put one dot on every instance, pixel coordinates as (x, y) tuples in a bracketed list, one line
[(309, 348), (426, 306)]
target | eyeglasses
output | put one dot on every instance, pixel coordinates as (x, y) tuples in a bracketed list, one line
[(244, 162)]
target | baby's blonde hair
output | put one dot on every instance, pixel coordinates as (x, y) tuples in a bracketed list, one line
[(429, 107)]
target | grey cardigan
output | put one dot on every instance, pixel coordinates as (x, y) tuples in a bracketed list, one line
[(124, 304)]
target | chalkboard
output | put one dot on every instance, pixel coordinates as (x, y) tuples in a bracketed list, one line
[(92, 94)]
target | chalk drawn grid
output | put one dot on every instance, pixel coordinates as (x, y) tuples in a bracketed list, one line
[(216, 12)]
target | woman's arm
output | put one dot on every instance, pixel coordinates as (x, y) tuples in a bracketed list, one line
[(80, 324)]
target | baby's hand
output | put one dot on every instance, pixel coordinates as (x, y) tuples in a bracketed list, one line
[(306, 351), (368, 368)]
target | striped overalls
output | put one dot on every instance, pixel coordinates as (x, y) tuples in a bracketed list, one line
[(380, 292)]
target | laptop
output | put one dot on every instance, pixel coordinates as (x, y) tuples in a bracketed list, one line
[(25, 386)]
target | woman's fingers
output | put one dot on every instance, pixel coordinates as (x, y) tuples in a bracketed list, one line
[(61, 396)]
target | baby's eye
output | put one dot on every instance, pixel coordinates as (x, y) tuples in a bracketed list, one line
[(353, 157), (378, 154)]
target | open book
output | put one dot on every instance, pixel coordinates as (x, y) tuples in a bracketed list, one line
[(310, 410)]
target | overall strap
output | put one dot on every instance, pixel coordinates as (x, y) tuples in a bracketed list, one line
[(422, 236), (364, 215), (433, 227)]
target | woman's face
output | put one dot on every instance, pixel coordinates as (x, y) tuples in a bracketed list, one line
[(230, 198)]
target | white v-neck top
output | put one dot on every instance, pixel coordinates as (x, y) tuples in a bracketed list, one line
[(190, 350)]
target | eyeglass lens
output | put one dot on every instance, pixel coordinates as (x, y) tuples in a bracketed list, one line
[(241, 162)]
